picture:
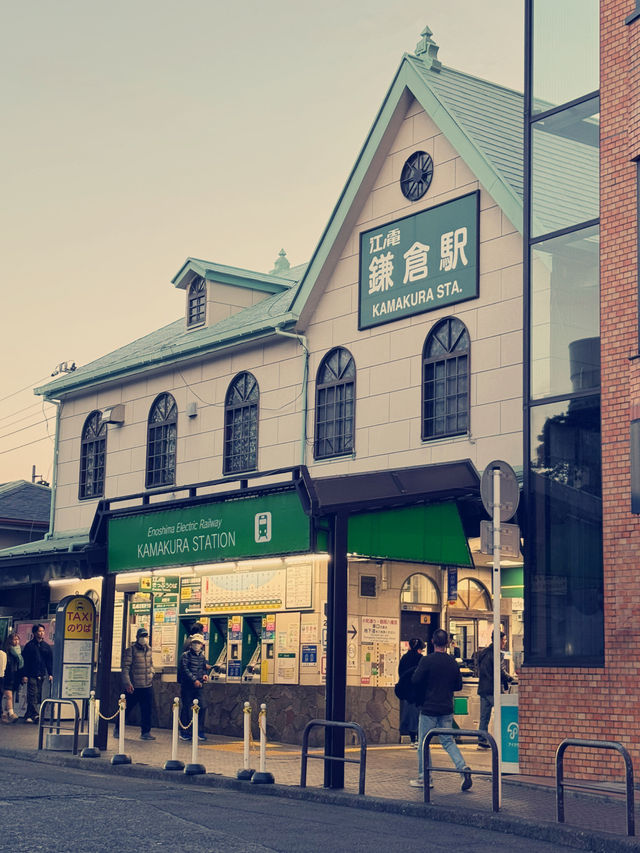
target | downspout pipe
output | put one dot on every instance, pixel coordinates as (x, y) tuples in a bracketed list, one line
[(54, 477), (302, 340)]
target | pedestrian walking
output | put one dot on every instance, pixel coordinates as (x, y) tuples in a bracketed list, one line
[(192, 674), (38, 668), (137, 681), (409, 711), (485, 684), (12, 678), (438, 676)]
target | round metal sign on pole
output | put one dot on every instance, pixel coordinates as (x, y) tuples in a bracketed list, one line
[(509, 489)]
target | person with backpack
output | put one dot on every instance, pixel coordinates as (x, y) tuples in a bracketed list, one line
[(485, 684), (409, 710)]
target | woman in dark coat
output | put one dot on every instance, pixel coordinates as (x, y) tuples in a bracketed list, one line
[(409, 713)]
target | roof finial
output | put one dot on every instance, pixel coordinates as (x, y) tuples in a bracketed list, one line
[(427, 50), (281, 265)]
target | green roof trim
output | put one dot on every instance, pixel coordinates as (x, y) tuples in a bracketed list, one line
[(481, 120), (230, 275)]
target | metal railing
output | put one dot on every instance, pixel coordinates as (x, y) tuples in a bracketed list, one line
[(54, 724), (583, 784), (362, 761), (476, 735)]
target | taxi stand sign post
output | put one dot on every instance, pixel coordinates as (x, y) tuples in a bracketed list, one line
[(500, 495), (73, 647)]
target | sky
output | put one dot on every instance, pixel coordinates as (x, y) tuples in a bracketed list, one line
[(137, 133)]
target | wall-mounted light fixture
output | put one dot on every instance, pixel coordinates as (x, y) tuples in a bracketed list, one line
[(113, 415)]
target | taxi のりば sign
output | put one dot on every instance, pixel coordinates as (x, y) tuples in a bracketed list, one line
[(73, 647)]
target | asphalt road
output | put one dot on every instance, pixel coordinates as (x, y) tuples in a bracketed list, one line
[(48, 808)]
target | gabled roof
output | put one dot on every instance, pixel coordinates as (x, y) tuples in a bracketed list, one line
[(25, 502), (481, 120)]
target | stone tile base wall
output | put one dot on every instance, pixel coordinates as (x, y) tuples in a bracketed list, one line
[(289, 709)]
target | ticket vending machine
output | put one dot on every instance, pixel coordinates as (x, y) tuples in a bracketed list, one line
[(251, 647), (267, 643), (218, 648), (234, 648)]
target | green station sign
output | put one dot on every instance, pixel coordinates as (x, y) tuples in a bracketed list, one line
[(260, 526), (419, 263)]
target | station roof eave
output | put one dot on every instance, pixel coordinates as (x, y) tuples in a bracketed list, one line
[(69, 555)]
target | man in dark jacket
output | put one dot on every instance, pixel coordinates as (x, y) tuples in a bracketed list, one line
[(192, 674), (38, 666), (438, 676), (137, 681), (485, 684)]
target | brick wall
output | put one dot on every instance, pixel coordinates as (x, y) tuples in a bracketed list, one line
[(605, 703)]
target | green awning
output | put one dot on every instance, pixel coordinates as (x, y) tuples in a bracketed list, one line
[(430, 533)]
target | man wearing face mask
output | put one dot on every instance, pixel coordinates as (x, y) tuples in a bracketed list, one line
[(192, 674), (137, 681)]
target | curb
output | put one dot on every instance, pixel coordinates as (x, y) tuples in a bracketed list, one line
[(557, 833)]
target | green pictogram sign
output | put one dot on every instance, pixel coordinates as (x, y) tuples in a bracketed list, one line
[(420, 263), (225, 530)]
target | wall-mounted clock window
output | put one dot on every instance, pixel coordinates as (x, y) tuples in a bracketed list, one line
[(416, 175)]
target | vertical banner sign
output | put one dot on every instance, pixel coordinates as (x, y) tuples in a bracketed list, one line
[(419, 263), (452, 584), (73, 648)]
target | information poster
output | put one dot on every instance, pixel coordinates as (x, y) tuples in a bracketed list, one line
[(190, 596), (287, 648), (299, 586), (379, 651), (165, 627)]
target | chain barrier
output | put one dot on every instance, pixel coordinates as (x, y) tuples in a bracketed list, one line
[(122, 703)]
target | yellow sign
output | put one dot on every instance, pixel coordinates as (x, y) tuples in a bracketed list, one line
[(78, 619)]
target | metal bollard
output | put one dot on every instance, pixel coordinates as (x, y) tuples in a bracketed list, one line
[(91, 751), (193, 769), (246, 773), (173, 763), (120, 757), (262, 777)]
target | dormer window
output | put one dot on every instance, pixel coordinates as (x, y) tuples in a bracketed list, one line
[(196, 302)]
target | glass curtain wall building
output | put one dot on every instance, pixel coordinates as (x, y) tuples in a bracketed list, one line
[(563, 484)]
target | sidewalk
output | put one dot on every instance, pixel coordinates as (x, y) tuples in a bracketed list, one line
[(593, 822)]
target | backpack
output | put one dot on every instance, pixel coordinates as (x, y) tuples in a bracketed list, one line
[(406, 690)]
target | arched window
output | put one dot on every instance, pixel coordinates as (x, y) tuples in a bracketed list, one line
[(241, 425), (445, 380), (420, 589), (93, 448), (197, 302), (472, 595), (335, 405), (162, 436)]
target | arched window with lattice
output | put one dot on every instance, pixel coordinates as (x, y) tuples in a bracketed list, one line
[(241, 425), (197, 302), (335, 405), (93, 450), (445, 380), (162, 439)]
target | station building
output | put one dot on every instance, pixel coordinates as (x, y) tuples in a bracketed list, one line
[(295, 460)]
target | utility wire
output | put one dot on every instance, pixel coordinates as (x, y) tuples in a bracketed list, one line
[(26, 444), (20, 390), (22, 429)]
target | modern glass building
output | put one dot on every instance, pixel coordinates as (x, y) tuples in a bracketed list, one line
[(564, 600)]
